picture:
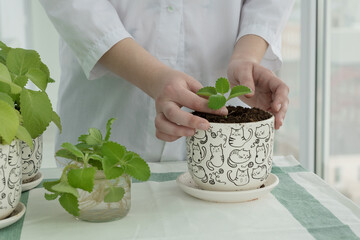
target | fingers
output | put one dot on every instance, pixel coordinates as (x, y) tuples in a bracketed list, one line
[(243, 74), (165, 137), (280, 101), (197, 103), (174, 114), (164, 126)]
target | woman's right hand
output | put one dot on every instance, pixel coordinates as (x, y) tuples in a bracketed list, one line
[(174, 91)]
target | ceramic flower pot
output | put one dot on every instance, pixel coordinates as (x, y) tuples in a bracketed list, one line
[(10, 178), (231, 156), (92, 206), (31, 159)]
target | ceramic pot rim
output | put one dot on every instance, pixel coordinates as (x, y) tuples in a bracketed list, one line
[(244, 123)]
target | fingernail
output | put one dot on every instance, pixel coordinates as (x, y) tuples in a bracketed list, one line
[(203, 126), (224, 111), (278, 107), (281, 121)]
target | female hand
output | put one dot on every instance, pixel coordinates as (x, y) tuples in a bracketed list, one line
[(269, 92), (178, 90)]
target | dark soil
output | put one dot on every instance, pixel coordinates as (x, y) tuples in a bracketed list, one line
[(236, 115)]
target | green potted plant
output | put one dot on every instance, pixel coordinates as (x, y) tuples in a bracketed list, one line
[(34, 109), (235, 153), (95, 185)]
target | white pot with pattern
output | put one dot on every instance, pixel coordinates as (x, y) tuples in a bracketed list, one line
[(31, 159), (10, 178), (231, 156)]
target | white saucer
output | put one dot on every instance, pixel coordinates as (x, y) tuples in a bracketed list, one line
[(30, 185), (14, 216), (186, 183)]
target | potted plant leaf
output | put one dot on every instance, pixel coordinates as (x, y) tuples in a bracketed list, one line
[(235, 153), (96, 183), (18, 66), (11, 131)]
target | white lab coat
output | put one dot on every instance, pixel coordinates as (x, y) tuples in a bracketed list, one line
[(196, 37)]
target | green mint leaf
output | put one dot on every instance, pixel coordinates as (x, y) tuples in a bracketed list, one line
[(207, 91), (136, 167), (66, 154), (44, 69), (83, 138), (19, 61), (111, 170), (94, 137), (96, 164), (73, 149), (3, 46), (96, 157), (24, 135), (83, 146), (36, 111), (6, 98), (114, 151), (48, 185), (50, 80), (70, 203), (6, 78), (222, 85), (9, 122), (51, 196), (2, 58), (65, 187), (238, 91), (21, 81), (115, 194), (216, 102), (82, 178), (108, 128), (4, 87), (56, 120), (38, 77)]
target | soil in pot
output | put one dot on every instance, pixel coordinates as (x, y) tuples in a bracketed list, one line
[(236, 114)]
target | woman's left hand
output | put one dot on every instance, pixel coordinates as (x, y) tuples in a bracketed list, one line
[(269, 92)]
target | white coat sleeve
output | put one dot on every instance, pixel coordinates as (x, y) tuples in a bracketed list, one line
[(89, 27), (266, 19)]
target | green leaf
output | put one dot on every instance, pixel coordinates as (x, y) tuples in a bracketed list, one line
[(83, 138), (5, 88), (115, 194), (21, 81), (19, 61), (2, 58), (96, 163), (207, 91), (83, 146), (44, 69), (136, 167), (66, 154), (6, 78), (73, 149), (111, 170), (65, 187), (38, 77), (222, 85), (216, 102), (9, 122), (238, 91), (94, 137), (114, 151), (50, 80), (3, 45), (36, 110), (51, 196), (70, 204), (6, 98), (56, 120), (48, 185), (108, 128), (96, 157), (82, 178), (24, 135)]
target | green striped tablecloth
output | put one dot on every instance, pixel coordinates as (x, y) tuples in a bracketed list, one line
[(302, 207)]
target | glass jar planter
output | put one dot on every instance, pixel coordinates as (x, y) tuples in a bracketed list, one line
[(92, 206)]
